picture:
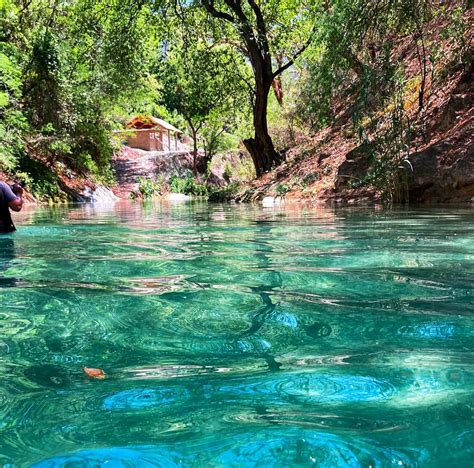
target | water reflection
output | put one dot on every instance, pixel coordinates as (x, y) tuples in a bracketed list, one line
[(7, 254)]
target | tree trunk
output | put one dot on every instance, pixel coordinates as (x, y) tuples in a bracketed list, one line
[(261, 147), (253, 32), (203, 163), (278, 90), (277, 84), (195, 147)]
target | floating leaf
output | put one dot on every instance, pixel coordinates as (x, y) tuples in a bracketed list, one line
[(94, 373)]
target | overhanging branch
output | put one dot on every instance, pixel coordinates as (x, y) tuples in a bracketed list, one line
[(290, 62), (209, 6), (259, 17)]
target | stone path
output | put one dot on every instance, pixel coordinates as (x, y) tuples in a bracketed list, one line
[(129, 164)]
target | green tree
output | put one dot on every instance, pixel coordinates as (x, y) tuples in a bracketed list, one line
[(197, 82), (216, 133), (271, 35), (352, 55), (73, 62)]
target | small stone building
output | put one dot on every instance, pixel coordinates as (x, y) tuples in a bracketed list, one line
[(151, 134)]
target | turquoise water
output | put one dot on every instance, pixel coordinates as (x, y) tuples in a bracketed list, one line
[(237, 336)]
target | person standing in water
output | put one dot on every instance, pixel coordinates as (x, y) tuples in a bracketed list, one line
[(10, 199)]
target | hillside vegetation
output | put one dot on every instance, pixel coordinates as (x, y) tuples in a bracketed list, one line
[(345, 100)]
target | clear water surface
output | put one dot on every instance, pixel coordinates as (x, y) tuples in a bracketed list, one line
[(237, 336)]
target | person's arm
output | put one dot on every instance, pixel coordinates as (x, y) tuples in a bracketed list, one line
[(17, 203), (12, 197)]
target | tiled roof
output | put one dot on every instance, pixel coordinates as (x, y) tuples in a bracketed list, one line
[(148, 121)]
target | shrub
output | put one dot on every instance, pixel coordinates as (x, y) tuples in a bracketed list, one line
[(186, 185), (41, 181), (308, 179), (227, 174), (218, 194), (148, 187), (282, 189)]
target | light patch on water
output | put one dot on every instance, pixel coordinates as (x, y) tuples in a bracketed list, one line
[(441, 330)]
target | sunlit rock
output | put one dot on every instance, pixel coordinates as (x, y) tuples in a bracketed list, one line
[(272, 201), (178, 197)]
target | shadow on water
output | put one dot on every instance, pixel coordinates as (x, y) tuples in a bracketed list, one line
[(274, 280), (273, 284)]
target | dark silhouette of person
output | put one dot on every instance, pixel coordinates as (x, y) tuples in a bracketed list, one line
[(10, 199)]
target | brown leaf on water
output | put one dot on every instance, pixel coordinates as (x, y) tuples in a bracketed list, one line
[(94, 373)]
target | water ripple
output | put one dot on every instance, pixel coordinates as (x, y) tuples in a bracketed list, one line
[(146, 456), (313, 448), (140, 398), (236, 336), (265, 448), (317, 388)]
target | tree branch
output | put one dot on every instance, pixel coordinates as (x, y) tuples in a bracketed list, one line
[(290, 62), (262, 29), (209, 6)]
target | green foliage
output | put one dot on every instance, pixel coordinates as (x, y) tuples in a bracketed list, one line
[(148, 188), (61, 69), (388, 152), (352, 55), (456, 31), (245, 170), (12, 121), (308, 179), (215, 131), (44, 80), (187, 185), (354, 65), (282, 189), (227, 174), (41, 181), (218, 194), (198, 83), (234, 166), (70, 72)]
